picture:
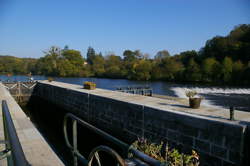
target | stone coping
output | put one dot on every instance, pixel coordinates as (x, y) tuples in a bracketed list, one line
[(36, 149), (204, 112)]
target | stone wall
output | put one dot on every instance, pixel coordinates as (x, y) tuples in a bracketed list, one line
[(218, 142)]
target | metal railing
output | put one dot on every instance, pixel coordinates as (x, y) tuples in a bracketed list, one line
[(21, 91), (127, 149), (136, 89), (13, 150)]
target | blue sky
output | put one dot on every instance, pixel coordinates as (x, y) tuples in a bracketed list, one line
[(28, 27)]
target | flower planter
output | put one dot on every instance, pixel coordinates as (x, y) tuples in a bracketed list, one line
[(89, 85), (195, 102), (50, 79)]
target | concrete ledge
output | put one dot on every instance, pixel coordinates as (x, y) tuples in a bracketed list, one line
[(36, 149)]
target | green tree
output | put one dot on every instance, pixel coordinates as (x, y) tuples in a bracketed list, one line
[(167, 69), (98, 66), (113, 66), (208, 69), (142, 70), (193, 72), (185, 56), (227, 68), (90, 55), (162, 55), (129, 55), (238, 69)]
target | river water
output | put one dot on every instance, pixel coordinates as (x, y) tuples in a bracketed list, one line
[(215, 96)]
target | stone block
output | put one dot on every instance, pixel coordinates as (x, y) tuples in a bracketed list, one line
[(188, 131), (208, 160), (172, 135), (234, 157), (204, 135), (202, 145), (219, 151), (186, 140), (227, 163), (234, 143)]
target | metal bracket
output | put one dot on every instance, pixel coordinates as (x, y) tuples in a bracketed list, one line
[(6, 152)]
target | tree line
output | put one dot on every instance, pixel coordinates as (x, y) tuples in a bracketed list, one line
[(223, 60)]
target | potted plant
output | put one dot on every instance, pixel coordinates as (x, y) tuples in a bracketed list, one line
[(194, 100), (89, 85), (50, 79)]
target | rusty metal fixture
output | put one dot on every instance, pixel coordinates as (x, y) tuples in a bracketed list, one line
[(94, 154)]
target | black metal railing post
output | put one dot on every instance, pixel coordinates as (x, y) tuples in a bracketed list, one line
[(232, 113)]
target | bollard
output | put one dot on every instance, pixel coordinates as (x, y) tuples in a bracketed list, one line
[(232, 113)]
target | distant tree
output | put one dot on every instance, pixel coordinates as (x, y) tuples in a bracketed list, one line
[(66, 47), (53, 51), (90, 55), (129, 55), (113, 66), (167, 69), (237, 74), (139, 55), (227, 68), (73, 56), (162, 54), (185, 56), (193, 72), (236, 45), (208, 68), (65, 68), (142, 70), (74, 61), (240, 33), (246, 75), (48, 64), (98, 66), (100, 54)]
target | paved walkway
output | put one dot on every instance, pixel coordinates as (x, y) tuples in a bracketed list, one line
[(167, 104), (36, 149)]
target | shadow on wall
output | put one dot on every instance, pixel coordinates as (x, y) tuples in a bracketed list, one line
[(239, 101)]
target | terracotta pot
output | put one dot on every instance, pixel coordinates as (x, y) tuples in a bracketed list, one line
[(195, 102)]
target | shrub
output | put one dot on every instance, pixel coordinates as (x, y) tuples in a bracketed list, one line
[(191, 93), (167, 156)]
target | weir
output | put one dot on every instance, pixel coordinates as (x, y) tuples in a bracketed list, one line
[(218, 140)]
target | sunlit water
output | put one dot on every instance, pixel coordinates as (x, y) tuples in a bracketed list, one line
[(215, 96)]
